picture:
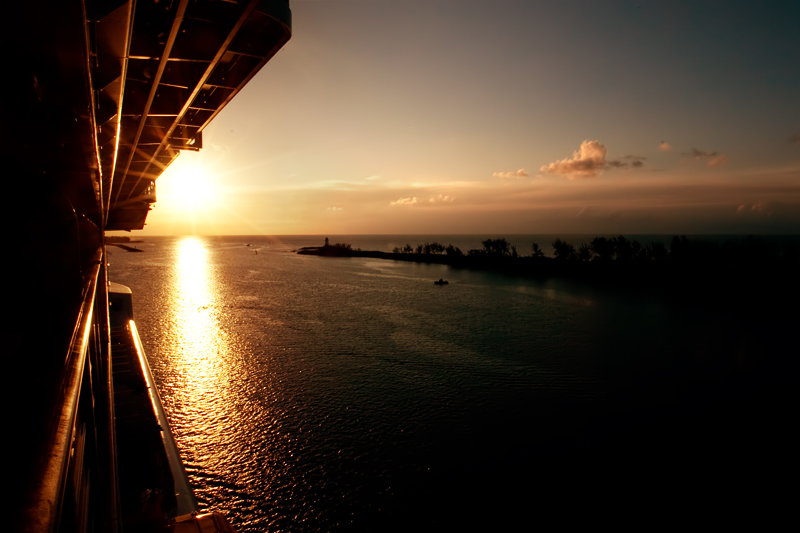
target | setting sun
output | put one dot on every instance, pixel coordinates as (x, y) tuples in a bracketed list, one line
[(399, 265), (187, 185)]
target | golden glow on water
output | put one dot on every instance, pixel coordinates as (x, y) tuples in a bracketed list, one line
[(200, 362)]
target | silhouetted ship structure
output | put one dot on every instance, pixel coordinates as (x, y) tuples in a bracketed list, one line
[(101, 96)]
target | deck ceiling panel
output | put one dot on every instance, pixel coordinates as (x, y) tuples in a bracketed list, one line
[(218, 12), (136, 92), (199, 40), (142, 156), (137, 167), (185, 132), (196, 117), (152, 134), (257, 36), (163, 160), (126, 135), (141, 70), (151, 26), (211, 98), (147, 46), (169, 100), (233, 70), (185, 74)]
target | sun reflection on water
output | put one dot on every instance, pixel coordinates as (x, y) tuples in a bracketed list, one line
[(201, 358)]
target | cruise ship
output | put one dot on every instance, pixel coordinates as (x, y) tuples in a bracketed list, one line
[(100, 97)]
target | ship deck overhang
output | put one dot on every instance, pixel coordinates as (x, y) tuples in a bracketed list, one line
[(186, 61), (100, 96)]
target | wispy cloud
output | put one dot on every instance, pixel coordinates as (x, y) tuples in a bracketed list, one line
[(697, 154), (761, 209), (405, 201), (664, 147), (715, 159), (521, 173), (441, 199), (372, 178), (588, 161), (334, 208), (628, 161), (718, 161)]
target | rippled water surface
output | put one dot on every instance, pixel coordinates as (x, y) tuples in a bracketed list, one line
[(318, 394)]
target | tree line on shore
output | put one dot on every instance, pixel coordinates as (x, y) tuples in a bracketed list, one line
[(735, 272), (683, 263), (620, 248)]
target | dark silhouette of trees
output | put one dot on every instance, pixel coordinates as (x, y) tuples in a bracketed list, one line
[(494, 248), (602, 248), (623, 248), (427, 248), (563, 250), (497, 247), (656, 251), (749, 253), (432, 248), (686, 267), (452, 251), (584, 252), (694, 250)]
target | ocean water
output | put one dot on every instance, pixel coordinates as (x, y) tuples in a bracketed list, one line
[(347, 394)]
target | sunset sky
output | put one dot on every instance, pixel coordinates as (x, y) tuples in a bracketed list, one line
[(477, 116)]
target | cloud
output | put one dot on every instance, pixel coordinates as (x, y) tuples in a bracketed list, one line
[(664, 147), (718, 161), (697, 154), (757, 209), (715, 159), (633, 161), (587, 162), (521, 173), (334, 208), (441, 199), (405, 201), (372, 178)]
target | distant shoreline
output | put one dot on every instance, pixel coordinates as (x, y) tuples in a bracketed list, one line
[(332, 251), (688, 269), (125, 247)]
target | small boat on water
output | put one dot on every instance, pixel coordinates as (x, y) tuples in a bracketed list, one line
[(441, 281)]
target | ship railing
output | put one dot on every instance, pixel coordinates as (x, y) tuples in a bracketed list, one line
[(78, 455), (183, 490)]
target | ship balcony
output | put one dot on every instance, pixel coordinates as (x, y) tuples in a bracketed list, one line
[(131, 213)]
